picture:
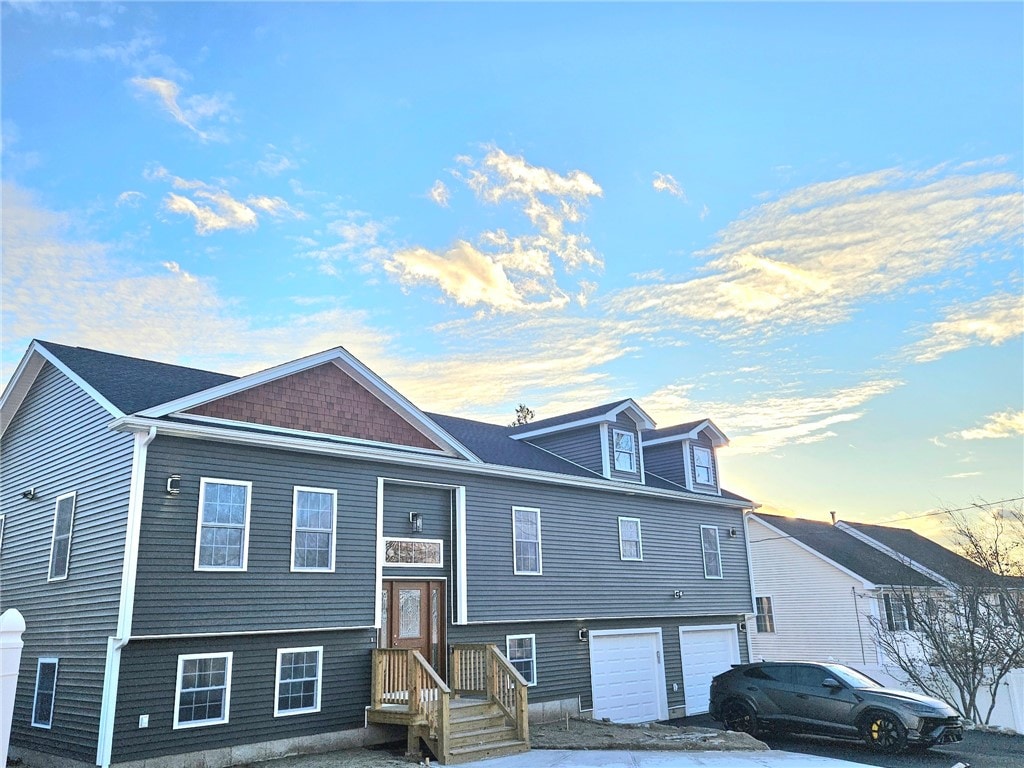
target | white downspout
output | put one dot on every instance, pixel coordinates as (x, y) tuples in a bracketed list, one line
[(112, 669)]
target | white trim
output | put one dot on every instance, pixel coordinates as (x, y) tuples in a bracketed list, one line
[(319, 649), (751, 579), (254, 632), (3, 519), (770, 614), (334, 527), (643, 421), (126, 605), (533, 656), (266, 441), (540, 561), (440, 550), (687, 467), (718, 551), (865, 583), (461, 564), (182, 658), (632, 617), (203, 481), (606, 463), (379, 566), (634, 458), (639, 539), (696, 450), (53, 691), (53, 537), (895, 554), (718, 436), (661, 684)]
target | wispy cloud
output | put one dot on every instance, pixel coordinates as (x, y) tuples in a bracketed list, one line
[(991, 321), (439, 193), (131, 198), (664, 182), (998, 425), (963, 475), (810, 258), (502, 270), (274, 163), (193, 112)]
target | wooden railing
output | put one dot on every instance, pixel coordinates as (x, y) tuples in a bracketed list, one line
[(480, 669), (403, 678)]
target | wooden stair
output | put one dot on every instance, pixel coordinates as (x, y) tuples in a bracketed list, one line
[(480, 730)]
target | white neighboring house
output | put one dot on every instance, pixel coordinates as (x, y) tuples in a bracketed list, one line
[(817, 590)]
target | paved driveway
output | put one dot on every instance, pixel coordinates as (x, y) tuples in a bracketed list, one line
[(565, 758)]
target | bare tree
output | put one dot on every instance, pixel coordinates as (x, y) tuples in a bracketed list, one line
[(523, 416), (963, 637)]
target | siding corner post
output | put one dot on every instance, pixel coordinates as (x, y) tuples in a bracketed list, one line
[(461, 566), (112, 666)]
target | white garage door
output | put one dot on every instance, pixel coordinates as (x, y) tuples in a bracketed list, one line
[(627, 675), (706, 651)]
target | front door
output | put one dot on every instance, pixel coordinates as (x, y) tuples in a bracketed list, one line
[(414, 617)]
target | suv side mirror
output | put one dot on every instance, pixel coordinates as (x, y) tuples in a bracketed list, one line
[(831, 683)]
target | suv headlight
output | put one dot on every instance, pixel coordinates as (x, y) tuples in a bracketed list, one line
[(924, 710)]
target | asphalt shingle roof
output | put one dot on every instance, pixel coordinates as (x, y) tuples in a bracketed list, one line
[(567, 418), (675, 429), (851, 553)]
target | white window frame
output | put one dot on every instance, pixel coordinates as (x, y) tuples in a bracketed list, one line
[(295, 527), (61, 576), (616, 451), (203, 482), (515, 539), (896, 612), (278, 712), (762, 617), (533, 655), (639, 539), (53, 691), (718, 551), (227, 656), (704, 452), (440, 550)]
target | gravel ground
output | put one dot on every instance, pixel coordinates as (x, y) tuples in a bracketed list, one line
[(574, 734)]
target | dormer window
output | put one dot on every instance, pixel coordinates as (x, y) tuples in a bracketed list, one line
[(625, 451), (703, 472)]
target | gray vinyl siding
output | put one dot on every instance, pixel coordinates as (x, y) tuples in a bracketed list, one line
[(435, 504), (173, 598), (580, 446), (667, 460), (563, 661), (149, 675), (58, 442), (624, 424)]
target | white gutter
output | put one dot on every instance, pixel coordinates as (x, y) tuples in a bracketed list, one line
[(368, 453), (129, 570)]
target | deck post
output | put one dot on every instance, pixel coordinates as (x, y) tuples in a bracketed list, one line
[(412, 670)]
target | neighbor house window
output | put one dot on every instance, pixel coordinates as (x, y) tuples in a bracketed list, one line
[(625, 450), (222, 542), (204, 689), (712, 553), (521, 650), (416, 552), (526, 540), (298, 680), (60, 544), (765, 615), (703, 471), (897, 617), (630, 546), (46, 693), (313, 514)]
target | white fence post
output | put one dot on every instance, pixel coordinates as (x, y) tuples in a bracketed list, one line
[(12, 625), (1015, 684)]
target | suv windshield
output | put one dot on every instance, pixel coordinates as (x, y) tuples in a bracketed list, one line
[(852, 677)]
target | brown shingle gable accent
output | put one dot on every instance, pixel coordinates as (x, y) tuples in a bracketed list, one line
[(325, 400)]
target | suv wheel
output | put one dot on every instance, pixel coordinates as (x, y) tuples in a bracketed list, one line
[(739, 716), (884, 732)]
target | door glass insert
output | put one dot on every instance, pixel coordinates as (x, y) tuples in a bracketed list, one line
[(409, 612)]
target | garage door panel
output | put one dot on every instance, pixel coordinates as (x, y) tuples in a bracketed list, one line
[(628, 677), (706, 651)]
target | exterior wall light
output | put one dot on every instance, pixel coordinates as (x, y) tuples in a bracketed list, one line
[(29, 494), (174, 485), (416, 521)]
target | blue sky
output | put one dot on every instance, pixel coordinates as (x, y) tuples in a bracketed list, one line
[(802, 221)]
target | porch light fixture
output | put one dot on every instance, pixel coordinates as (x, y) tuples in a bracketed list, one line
[(174, 485), (733, 533), (584, 635), (416, 521), (29, 494)]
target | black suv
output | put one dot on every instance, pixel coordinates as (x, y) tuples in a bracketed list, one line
[(831, 700)]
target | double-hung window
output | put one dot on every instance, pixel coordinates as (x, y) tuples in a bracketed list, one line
[(625, 450), (204, 689), (298, 680), (526, 541), (521, 651), (765, 615), (703, 471), (897, 616), (314, 513), (222, 541), (60, 543), (712, 552), (630, 544), (45, 694)]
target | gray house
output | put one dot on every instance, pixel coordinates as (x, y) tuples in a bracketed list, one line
[(229, 569)]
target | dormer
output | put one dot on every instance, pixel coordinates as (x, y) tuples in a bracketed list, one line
[(605, 439), (686, 454)]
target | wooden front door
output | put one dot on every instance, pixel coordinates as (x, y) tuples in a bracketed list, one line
[(415, 617)]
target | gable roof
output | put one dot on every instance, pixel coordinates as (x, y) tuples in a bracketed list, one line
[(854, 555), (596, 415), (686, 431), (931, 556)]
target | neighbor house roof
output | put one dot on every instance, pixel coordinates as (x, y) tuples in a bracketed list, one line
[(851, 553)]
